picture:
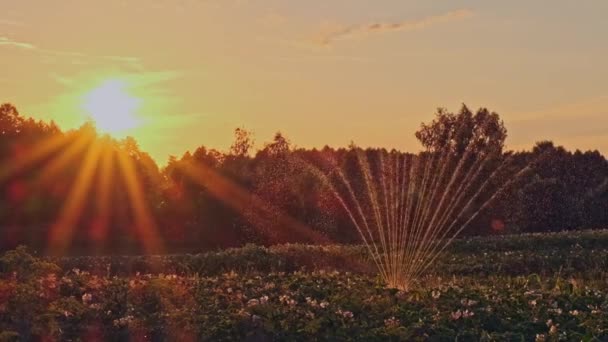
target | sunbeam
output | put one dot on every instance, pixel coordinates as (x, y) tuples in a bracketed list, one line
[(61, 232), (37, 153), (266, 217), (144, 223), (99, 227), (57, 164)]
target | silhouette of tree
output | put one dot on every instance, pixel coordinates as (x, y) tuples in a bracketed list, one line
[(483, 131), (564, 189), (10, 120), (279, 146), (243, 143)]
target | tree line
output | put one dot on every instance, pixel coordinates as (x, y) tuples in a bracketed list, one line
[(208, 199)]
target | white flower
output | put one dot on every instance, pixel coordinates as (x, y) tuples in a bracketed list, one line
[(557, 311), (287, 300), (553, 330), (345, 314), (324, 304), (468, 302), (436, 294), (253, 302), (263, 300), (392, 322), (456, 315), (123, 321), (311, 302), (87, 297)]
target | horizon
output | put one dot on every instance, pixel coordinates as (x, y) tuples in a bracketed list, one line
[(258, 145), (326, 76)]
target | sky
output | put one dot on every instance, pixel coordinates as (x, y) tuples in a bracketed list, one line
[(321, 72)]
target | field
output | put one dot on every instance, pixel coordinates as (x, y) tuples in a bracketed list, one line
[(541, 287)]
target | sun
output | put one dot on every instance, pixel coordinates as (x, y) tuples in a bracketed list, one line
[(112, 108)]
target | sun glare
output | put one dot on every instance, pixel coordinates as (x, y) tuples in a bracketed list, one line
[(112, 108)]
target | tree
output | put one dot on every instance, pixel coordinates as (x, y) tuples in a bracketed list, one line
[(563, 190), (10, 120), (279, 146), (243, 142), (482, 131)]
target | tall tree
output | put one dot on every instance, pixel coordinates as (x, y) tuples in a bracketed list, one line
[(243, 142), (482, 131), (10, 120)]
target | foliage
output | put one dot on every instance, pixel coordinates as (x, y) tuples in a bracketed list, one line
[(568, 254), (319, 302), (243, 143), (563, 189), (483, 130)]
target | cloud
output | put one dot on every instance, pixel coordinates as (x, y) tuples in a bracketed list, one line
[(8, 42), (327, 37), (65, 81), (79, 57)]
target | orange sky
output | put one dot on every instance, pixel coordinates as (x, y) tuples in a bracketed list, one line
[(322, 72)]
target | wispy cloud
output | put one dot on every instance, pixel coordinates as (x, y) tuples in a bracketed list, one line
[(65, 81), (329, 36), (79, 57), (22, 45), (135, 79), (122, 59)]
